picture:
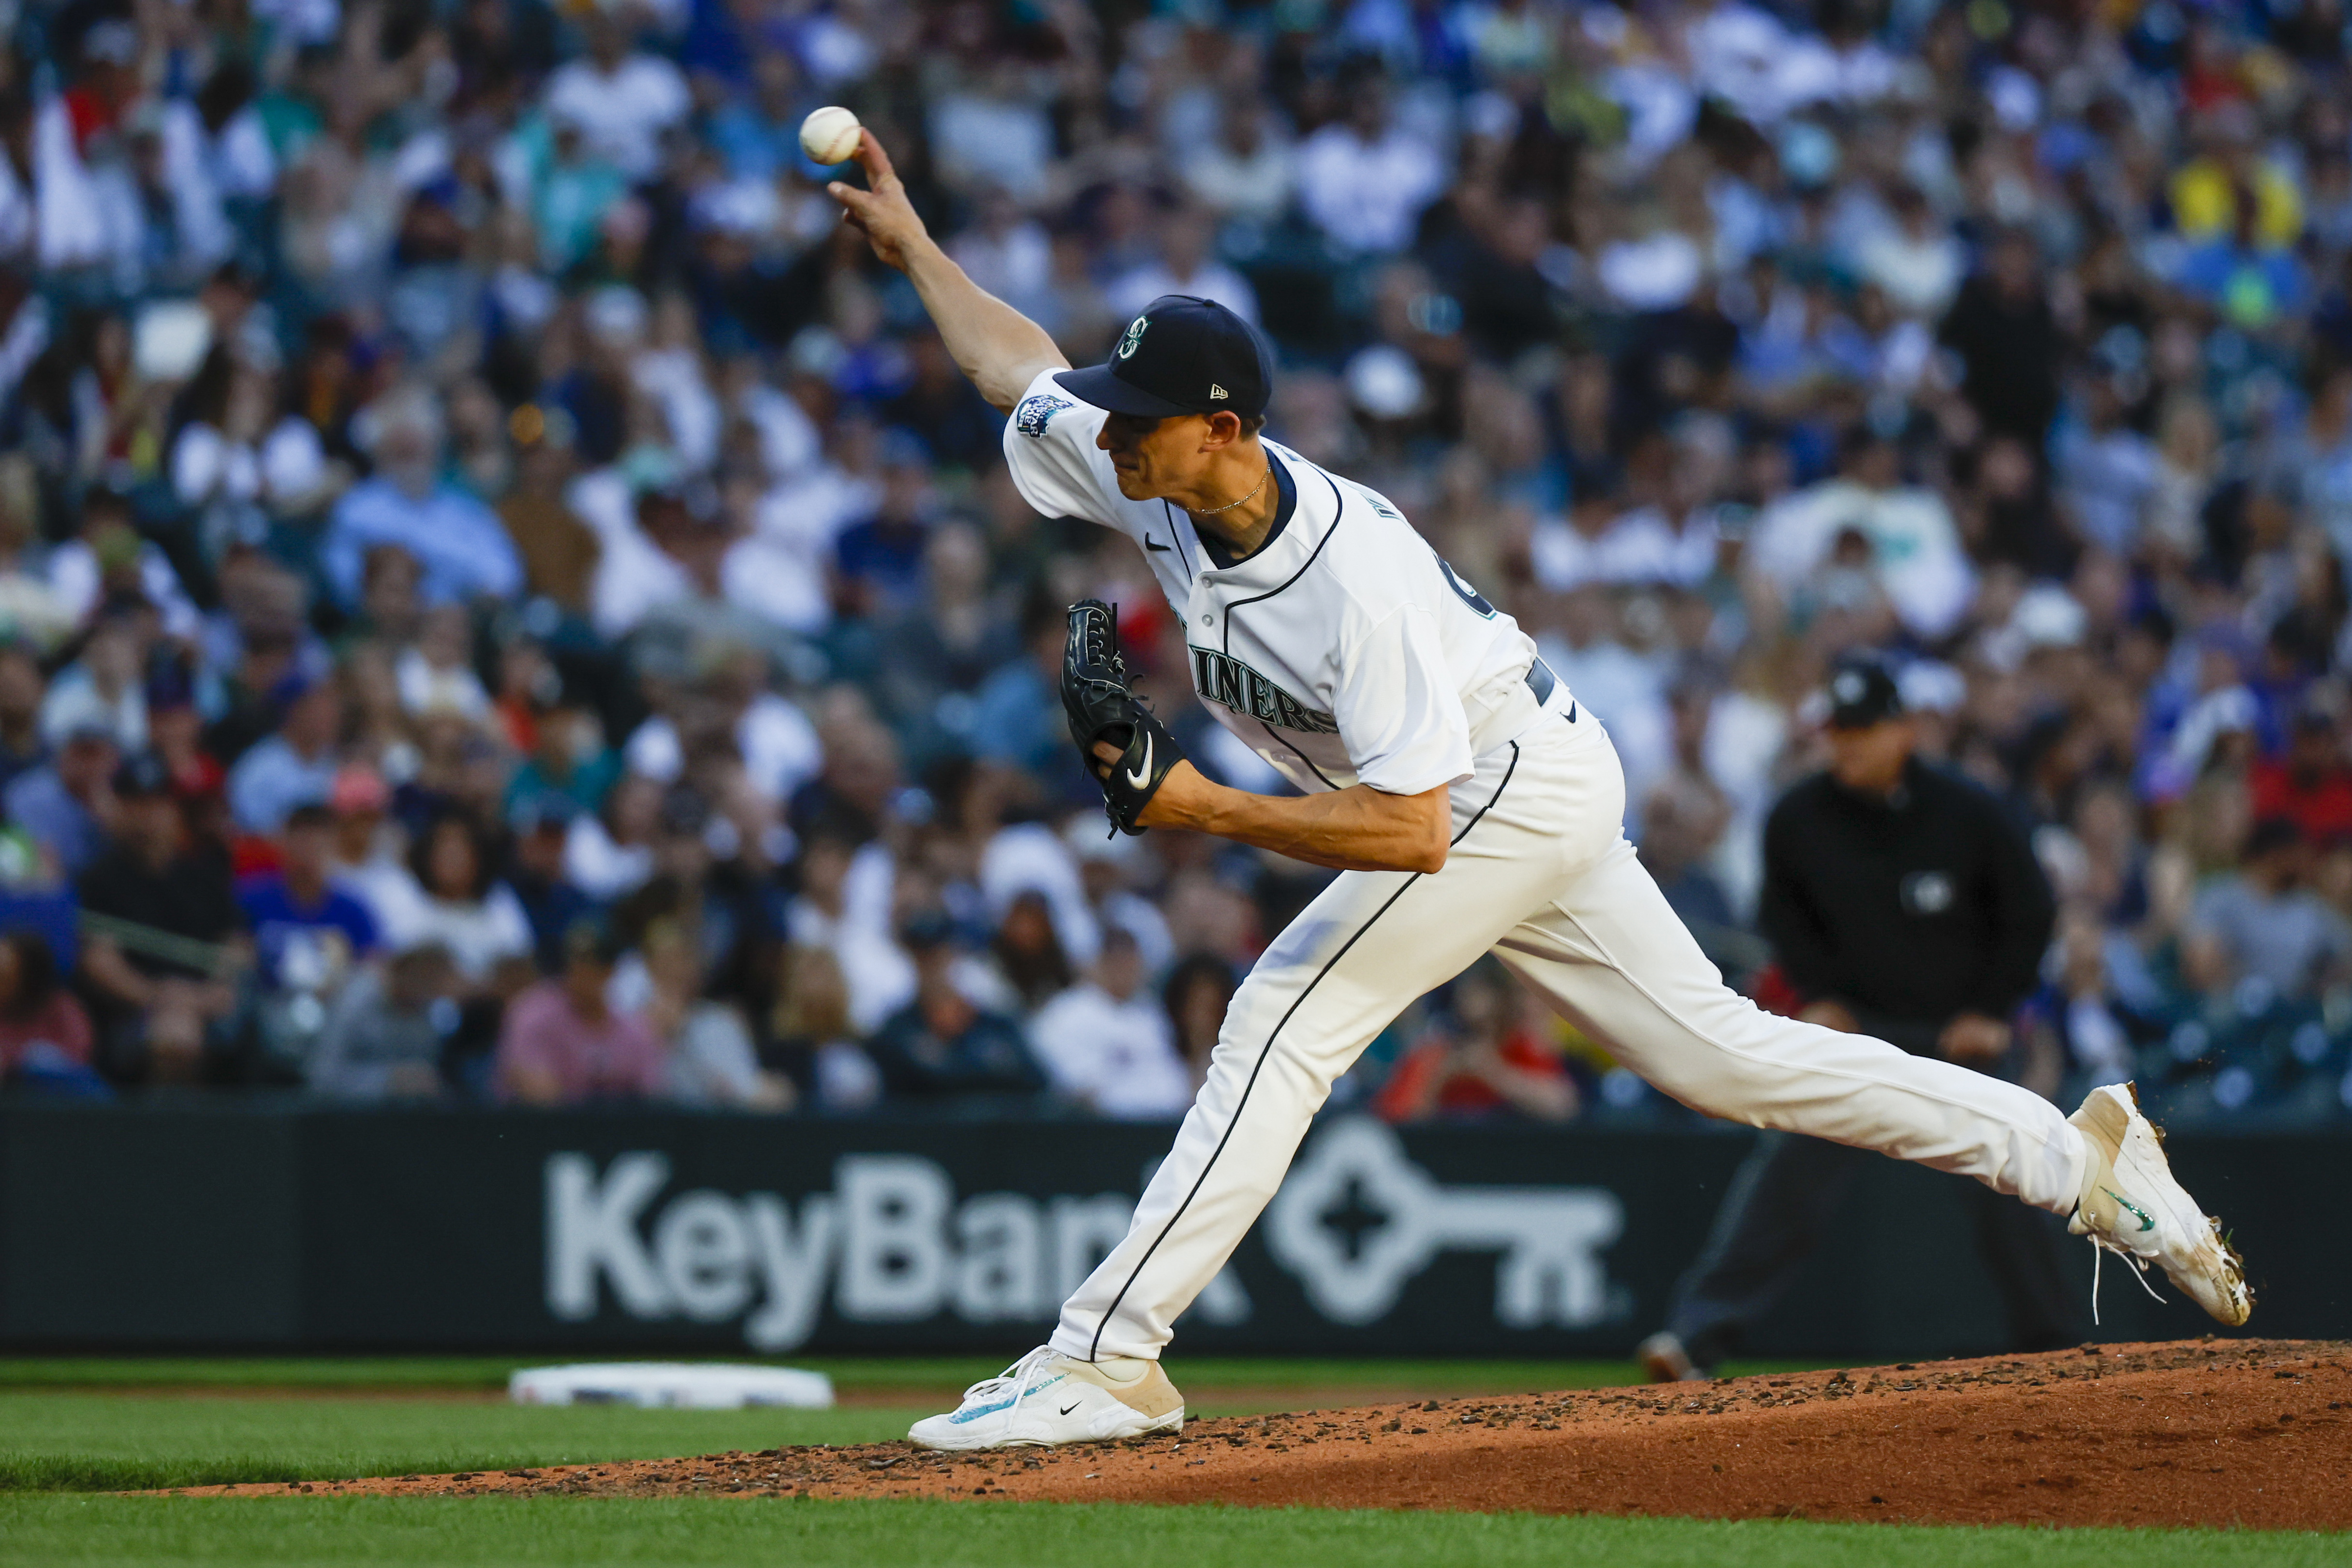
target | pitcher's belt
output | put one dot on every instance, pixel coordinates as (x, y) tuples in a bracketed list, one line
[(1520, 710)]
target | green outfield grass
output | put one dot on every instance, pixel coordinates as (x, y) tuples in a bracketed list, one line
[(852, 1374), (102, 1442), (379, 1532), (123, 1424), (72, 1427)]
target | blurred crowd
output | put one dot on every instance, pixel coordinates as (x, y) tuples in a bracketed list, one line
[(505, 600)]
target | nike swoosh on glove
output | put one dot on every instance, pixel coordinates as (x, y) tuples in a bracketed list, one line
[(1101, 705)]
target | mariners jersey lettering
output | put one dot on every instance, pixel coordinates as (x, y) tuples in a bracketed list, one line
[(1220, 679), (1343, 651)]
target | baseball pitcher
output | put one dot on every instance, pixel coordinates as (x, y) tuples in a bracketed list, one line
[(1469, 804)]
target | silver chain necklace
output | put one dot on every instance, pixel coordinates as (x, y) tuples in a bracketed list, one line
[(1228, 505)]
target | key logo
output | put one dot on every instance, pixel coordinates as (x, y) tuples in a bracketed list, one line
[(1134, 338), (1550, 1269)]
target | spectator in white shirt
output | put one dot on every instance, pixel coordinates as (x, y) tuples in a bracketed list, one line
[(828, 914), (1604, 541), (1624, 689), (237, 153), (1184, 265), (1745, 57), (102, 688), (107, 554), (1920, 562), (993, 131), (712, 1059), (621, 101), (2106, 469), (452, 897), (1106, 1041), (1006, 252), (611, 853), (1915, 258), (780, 748), (367, 862), (437, 671), (1363, 181), (1250, 171)]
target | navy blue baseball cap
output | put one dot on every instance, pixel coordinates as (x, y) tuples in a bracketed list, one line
[(1863, 692), (1182, 355)]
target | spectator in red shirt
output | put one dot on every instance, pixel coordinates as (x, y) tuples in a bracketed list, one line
[(44, 1033), (1481, 1061), (563, 1044), (2310, 786), (109, 84)]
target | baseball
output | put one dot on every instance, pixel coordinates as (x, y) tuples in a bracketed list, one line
[(829, 135)]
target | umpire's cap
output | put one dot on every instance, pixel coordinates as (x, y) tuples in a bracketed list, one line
[(1182, 355), (1862, 692)]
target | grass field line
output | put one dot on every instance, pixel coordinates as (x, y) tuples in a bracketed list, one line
[(414, 1533), (133, 1424), (105, 1442), (922, 1373)]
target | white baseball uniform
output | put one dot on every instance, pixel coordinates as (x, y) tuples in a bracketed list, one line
[(1346, 651)]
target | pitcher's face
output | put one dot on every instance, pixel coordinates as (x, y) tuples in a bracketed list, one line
[(1160, 457)]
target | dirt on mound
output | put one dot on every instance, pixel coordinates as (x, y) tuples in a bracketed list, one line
[(2256, 1433)]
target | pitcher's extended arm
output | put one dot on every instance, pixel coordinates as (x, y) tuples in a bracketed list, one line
[(998, 348), (1356, 829)]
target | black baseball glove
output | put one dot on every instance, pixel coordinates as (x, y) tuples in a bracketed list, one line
[(1102, 706)]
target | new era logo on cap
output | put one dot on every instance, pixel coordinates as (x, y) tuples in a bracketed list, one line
[(1182, 355)]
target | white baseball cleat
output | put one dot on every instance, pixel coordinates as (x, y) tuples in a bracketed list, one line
[(2131, 1205), (1047, 1397)]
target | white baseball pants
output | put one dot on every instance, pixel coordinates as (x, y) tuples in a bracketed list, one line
[(1541, 874)]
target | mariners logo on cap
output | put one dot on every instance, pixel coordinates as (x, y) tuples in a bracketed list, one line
[(1127, 345)]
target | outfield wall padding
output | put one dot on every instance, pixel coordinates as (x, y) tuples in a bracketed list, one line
[(239, 1226)]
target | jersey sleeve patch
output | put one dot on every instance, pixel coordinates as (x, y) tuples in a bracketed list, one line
[(1036, 412)]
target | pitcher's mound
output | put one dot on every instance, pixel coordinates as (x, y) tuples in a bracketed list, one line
[(2255, 1433)]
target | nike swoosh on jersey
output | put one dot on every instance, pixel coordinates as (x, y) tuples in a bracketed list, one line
[(1150, 543), (1140, 776)]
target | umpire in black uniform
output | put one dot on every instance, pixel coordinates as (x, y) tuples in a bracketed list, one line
[(1902, 902)]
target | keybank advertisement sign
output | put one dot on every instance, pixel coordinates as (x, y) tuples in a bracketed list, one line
[(896, 1240), (236, 1226)]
